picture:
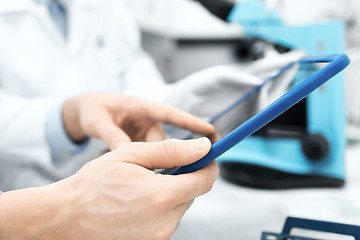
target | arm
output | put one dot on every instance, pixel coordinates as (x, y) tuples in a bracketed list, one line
[(26, 123), (116, 196), (22, 126), (60, 143), (32, 129)]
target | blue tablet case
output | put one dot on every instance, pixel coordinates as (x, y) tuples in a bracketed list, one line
[(336, 63)]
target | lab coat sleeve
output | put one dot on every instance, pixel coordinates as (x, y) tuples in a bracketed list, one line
[(22, 128), (61, 145), (208, 92)]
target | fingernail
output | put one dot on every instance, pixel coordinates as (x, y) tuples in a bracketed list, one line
[(200, 144)]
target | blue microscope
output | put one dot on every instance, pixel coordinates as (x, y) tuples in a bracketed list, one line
[(304, 147)]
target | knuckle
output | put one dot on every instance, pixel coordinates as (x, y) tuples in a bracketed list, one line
[(170, 149), (163, 201)]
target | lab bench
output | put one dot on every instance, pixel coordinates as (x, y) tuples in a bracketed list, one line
[(231, 212)]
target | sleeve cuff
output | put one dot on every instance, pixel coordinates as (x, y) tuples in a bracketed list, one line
[(61, 146)]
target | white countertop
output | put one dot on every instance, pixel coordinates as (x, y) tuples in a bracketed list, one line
[(229, 211)]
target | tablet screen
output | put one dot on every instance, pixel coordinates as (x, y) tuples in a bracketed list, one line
[(261, 97)]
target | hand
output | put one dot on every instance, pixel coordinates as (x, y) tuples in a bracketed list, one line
[(208, 92), (116, 196), (117, 119)]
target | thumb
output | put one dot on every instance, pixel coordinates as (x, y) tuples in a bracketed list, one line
[(165, 154)]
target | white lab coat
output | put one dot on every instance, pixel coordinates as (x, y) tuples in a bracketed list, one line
[(38, 67)]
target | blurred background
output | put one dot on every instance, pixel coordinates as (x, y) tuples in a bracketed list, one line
[(183, 37)]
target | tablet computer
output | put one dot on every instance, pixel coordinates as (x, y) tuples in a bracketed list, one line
[(254, 121)]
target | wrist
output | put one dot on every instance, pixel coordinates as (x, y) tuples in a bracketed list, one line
[(70, 116)]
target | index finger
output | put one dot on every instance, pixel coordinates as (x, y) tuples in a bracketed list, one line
[(187, 187), (172, 115)]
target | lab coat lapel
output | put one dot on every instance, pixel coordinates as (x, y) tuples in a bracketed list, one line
[(81, 21), (39, 11), (44, 16)]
